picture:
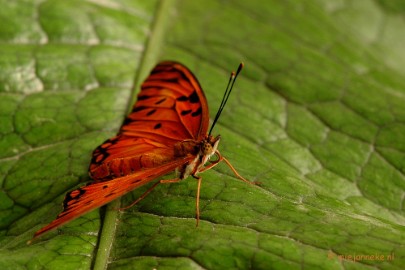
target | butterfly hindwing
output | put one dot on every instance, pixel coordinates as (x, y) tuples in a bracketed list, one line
[(171, 107)]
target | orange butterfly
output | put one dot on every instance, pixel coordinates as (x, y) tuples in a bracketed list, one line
[(166, 130)]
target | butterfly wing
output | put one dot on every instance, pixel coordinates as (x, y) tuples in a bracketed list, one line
[(171, 107), (84, 199)]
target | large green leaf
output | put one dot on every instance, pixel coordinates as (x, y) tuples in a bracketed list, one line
[(317, 117)]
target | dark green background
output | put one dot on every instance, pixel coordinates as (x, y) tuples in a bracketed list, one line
[(317, 116)]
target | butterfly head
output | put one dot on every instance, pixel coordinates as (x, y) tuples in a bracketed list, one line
[(209, 146)]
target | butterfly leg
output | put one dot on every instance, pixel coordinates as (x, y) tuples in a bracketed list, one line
[(236, 173), (213, 163), (149, 191), (222, 158), (197, 201)]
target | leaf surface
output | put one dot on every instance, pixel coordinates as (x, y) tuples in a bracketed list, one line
[(317, 117)]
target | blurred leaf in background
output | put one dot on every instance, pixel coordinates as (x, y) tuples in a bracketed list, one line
[(317, 117)]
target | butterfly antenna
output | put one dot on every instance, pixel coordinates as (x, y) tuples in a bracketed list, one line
[(228, 90)]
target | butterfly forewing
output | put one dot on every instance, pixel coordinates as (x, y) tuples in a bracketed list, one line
[(82, 200)]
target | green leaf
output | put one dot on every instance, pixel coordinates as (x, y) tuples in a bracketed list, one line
[(317, 117)]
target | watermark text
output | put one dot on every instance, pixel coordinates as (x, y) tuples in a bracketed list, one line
[(361, 257)]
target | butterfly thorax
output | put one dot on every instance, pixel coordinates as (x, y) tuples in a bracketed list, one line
[(186, 147), (202, 150)]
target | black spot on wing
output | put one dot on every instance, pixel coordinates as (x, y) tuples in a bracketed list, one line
[(143, 97), (101, 152), (135, 181), (157, 70), (72, 197), (197, 112), (139, 108), (151, 112), (127, 121), (160, 101), (99, 156), (173, 80), (109, 195), (182, 98), (185, 112), (194, 97), (157, 126)]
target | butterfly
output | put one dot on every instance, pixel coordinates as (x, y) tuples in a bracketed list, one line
[(166, 130)]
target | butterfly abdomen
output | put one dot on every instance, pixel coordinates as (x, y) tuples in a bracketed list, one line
[(125, 166)]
